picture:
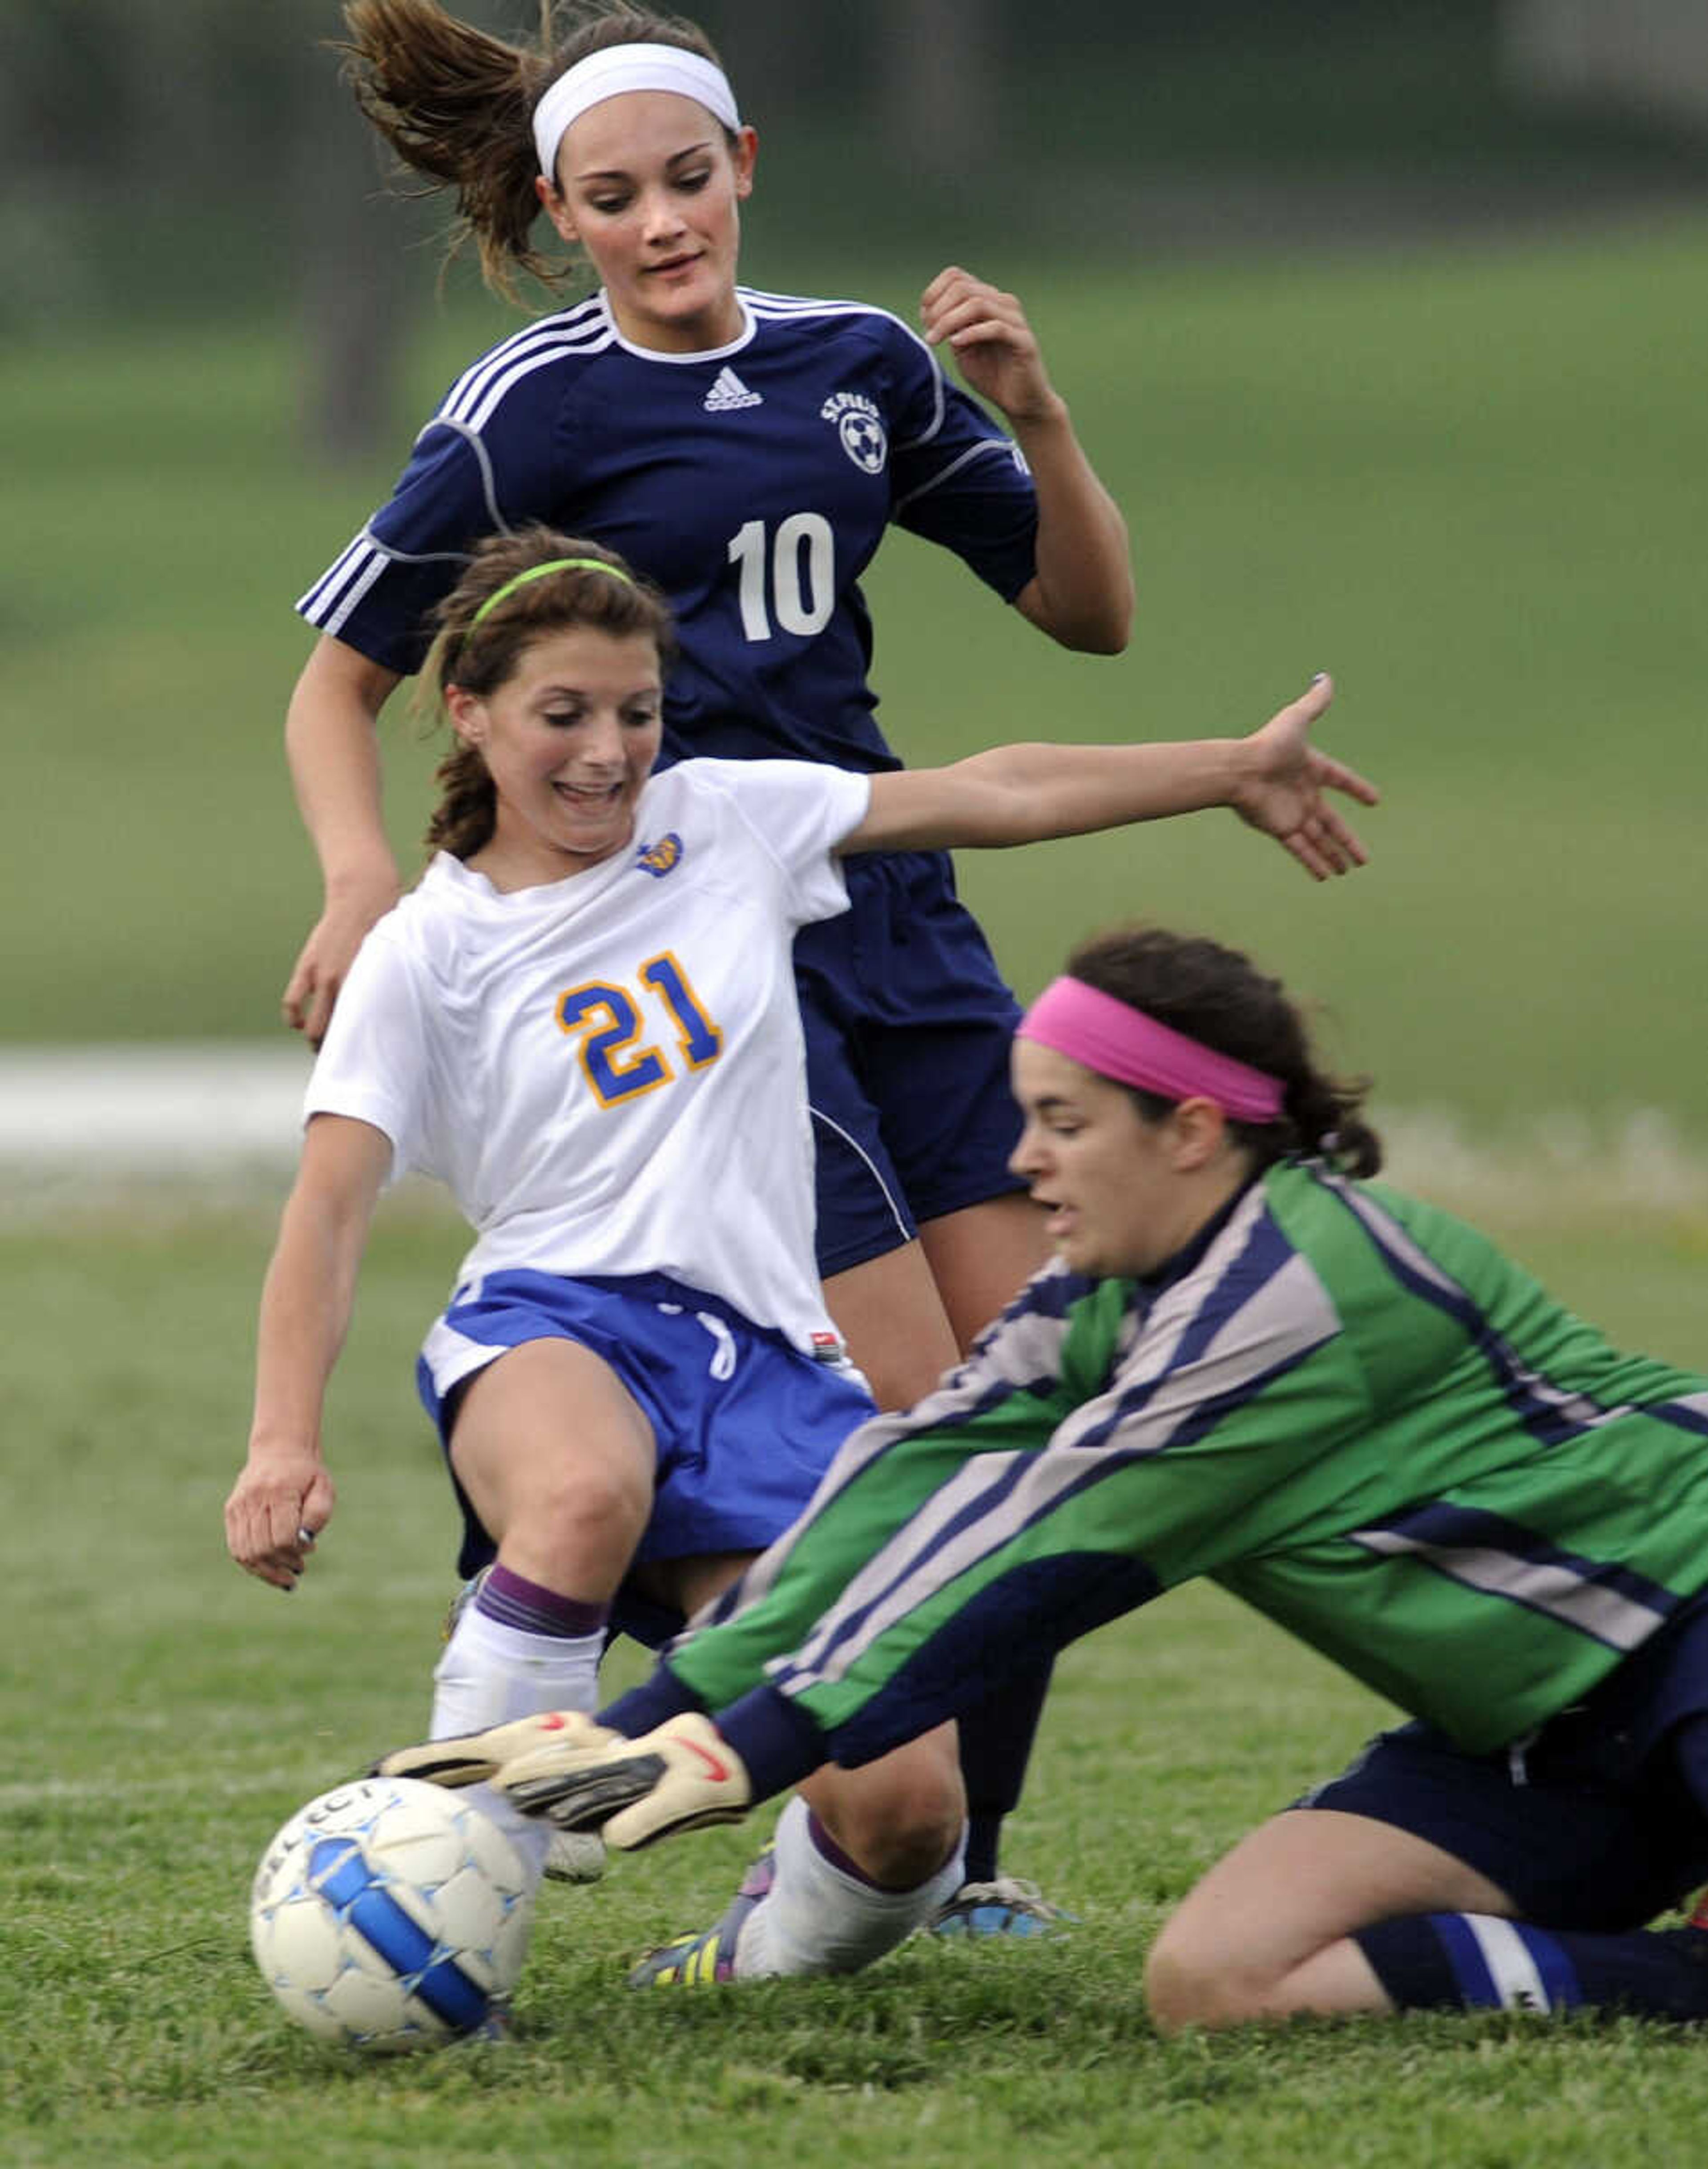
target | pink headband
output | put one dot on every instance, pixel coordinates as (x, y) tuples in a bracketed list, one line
[(1122, 1043)]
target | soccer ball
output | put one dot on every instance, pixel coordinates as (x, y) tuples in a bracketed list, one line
[(391, 1915)]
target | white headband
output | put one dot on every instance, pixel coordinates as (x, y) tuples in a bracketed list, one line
[(617, 68)]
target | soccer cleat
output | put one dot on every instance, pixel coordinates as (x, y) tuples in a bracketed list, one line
[(460, 1602), (698, 1961), (1006, 1907), (678, 1776), (476, 1758)]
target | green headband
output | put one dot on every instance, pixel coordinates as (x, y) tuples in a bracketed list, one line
[(539, 572)]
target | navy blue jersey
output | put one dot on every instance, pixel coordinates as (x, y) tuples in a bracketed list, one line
[(751, 484)]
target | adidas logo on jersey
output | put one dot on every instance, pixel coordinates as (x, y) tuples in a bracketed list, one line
[(729, 393)]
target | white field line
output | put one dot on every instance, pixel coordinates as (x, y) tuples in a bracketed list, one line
[(139, 1109), (77, 1122), (1637, 1161), (188, 1783)]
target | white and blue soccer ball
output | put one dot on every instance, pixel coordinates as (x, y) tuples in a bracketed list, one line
[(392, 1915)]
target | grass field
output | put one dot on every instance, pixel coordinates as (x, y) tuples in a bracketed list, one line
[(1469, 483), (166, 1714)]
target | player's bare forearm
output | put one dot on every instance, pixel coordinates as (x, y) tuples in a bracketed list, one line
[(1029, 794), (284, 1496), (1082, 592), (1275, 779), (331, 746), (306, 1303), (309, 1289)]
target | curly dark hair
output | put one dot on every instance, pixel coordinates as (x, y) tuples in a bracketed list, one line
[(1218, 997)]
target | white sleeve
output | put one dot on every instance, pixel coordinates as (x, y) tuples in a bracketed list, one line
[(374, 1058), (799, 812)]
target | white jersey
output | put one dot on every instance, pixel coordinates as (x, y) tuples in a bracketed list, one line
[(608, 1071)]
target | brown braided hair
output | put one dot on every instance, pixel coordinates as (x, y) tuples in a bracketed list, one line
[(480, 658)]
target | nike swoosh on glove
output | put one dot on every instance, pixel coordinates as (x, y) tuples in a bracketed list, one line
[(678, 1776)]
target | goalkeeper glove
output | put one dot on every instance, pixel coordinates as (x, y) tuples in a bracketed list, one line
[(679, 1776), (476, 1758)]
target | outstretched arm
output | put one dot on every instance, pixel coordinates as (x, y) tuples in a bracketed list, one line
[(333, 747), (1081, 593), (284, 1497), (1275, 780)]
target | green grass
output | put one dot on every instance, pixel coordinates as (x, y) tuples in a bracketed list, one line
[(167, 1714), (1470, 484), (1466, 482)]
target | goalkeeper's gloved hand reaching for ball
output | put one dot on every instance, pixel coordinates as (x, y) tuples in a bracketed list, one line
[(581, 1776)]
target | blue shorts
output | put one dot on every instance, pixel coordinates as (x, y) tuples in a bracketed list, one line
[(909, 1024), (744, 1423), (1589, 1823)]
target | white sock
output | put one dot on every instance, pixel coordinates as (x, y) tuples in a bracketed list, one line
[(490, 1674), (816, 1918)]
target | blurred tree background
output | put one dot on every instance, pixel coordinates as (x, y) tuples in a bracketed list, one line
[(170, 159), (1387, 323)]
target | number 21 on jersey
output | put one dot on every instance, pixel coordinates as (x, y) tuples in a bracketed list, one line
[(608, 1022)]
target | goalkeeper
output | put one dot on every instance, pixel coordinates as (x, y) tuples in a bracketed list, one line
[(1248, 1361)]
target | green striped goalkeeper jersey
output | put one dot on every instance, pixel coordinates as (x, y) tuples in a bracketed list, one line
[(1399, 1447), (1344, 1405)]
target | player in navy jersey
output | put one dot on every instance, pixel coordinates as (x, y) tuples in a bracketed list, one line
[(582, 1021), (748, 451)]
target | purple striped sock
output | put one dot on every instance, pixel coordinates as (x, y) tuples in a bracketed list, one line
[(513, 1600), (828, 1849)]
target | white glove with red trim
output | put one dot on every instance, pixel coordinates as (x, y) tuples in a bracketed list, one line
[(679, 1776)]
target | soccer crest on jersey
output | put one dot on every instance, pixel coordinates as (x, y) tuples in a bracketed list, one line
[(753, 484), (860, 427), (607, 1071)]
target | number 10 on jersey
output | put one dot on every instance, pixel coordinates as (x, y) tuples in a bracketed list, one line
[(788, 576)]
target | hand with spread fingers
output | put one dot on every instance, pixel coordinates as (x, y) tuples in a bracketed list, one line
[(1283, 794), (678, 1776)]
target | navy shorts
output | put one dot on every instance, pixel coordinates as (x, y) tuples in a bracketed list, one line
[(1592, 1822), (908, 1024), (744, 1423)]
